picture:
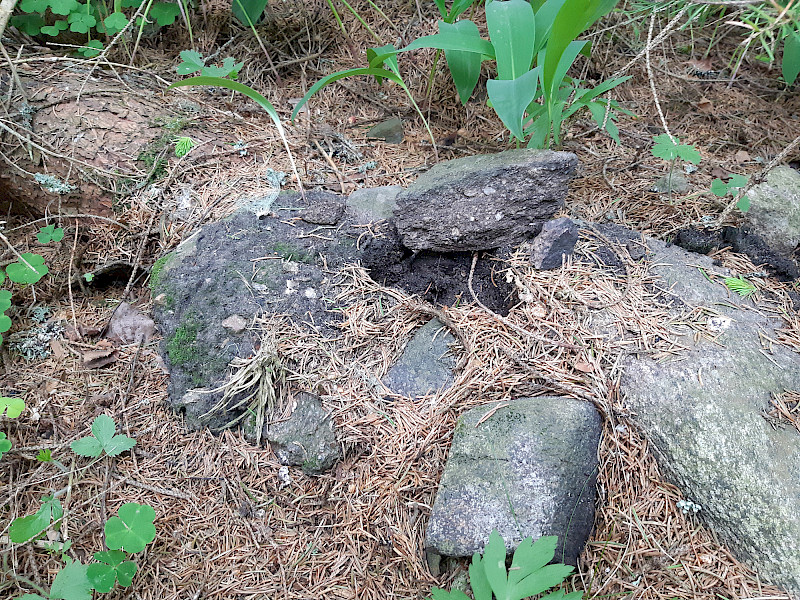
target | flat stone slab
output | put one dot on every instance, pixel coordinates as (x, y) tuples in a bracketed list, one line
[(426, 365), (529, 469), (484, 202), (704, 414)]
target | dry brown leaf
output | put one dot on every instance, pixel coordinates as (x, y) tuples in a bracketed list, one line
[(583, 367), (742, 156), (96, 359), (704, 105), (130, 326), (57, 348)]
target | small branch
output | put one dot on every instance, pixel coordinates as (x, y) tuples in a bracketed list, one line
[(6, 8)]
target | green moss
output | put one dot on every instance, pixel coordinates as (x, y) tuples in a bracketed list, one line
[(181, 348), (311, 465), (290, 252), (156, 269)]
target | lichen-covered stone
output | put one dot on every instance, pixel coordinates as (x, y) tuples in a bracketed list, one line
[(527, 470), (775, 209), (484, 202)]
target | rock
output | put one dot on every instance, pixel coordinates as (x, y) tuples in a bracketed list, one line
[(484, 202), (527, 470), (775, 209), (557, 239), (390, 131), (373, 204), (704, 417), (674, 183), (426, 365), (130, 326), (306, 438), (325, 208), (235, 324)]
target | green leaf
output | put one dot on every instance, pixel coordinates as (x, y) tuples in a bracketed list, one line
[(183, 146), (229, 68), (193, 61), (164, 13), (510, 99), (133, 529), (541, 580), (494, 565), (13, 407), (27, 273), (461, 39), (103, 429), (5, 298), (512, 30), (737, 181), (688, 153), (63, 7), (115, 22), (545, 17), (248, 12), (719, 188), (112, 567), (55, 29), (45, 455), (79, 22), (5, 323), (477, 579), (51, 233), (71, 583), (669, 149), (91, 49), (465, 67), (34, 6), (743, 204), (26, 528), (5, 445), (332, 78), (30, 24), (740, 285), (790, 67), (529, 557)]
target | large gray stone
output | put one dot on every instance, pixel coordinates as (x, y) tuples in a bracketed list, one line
[(306, 438), (484, 202), (529, 469), (775, 209), (426, 364), (704, 415), (373, 204)]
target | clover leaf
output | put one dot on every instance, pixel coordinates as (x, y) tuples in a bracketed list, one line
[(5, 299), (133, 529), (34, 6), (55, 29), (34, 270), (115, 22), (112, 567), (91, 49), (63, 7), (79, 22), (668, 148), (164, 13), (30, 24), (51, 233), (13, 407), (105, 439), (5, 445), (26, 528)]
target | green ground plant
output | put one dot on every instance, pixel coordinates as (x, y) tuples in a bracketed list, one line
[(530, 573), (126, 534), (731, 188), (532, 94), (669, 148)]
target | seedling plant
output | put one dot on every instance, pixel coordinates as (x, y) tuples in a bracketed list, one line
[(529, 575), (532, 94)]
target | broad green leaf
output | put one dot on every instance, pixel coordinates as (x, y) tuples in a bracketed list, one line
[(494, 564), (737, 181), (229, 68), (541, 580), (5, 298), (512, 29), (115, 22), (132, 530), (669, 149), (510, 99), (105, 439), (5, 445), (248, 12), (91, 48), (457, 9), (333, 77), (529, 557), (539, 130), (688, 153), (719, 188), (164, 13), (790, 67), (32, 272), (383, 57), (13, 407), (26, 528), (463, 39), (71, 583), (45, 455), (442, 9), (567, 58), (63, 7), (465, 67), (112, 567), (5, 323), (477, 579), (34, 6), (598, 110), (55, 29), (545, 16), (79, 22), (192, 61), (571, 20), (743, 204), (451, 595), (30, 24)]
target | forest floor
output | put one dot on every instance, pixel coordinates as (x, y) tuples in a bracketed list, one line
[(227, 526)]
